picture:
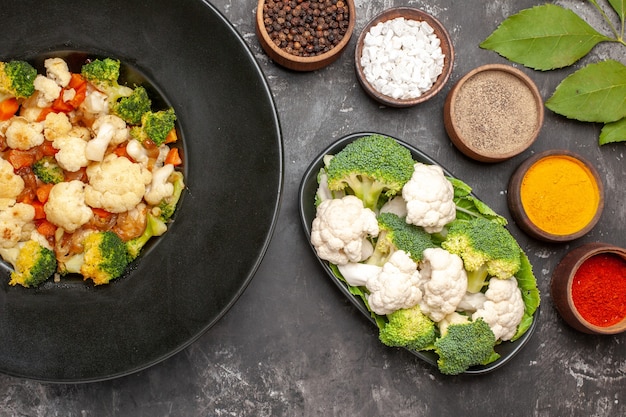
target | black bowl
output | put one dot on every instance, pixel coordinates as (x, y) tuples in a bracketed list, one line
[(187, 280), (306, 199)]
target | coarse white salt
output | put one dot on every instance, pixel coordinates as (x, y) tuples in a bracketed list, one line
[(402, 58)]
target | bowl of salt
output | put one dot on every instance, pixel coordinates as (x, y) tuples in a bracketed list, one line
[(404, 56)]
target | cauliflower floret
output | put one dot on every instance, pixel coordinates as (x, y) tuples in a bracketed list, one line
[(503, 308), (397, 285), (80, 132), (72, 153), (135, 150), (11, 184), (48, 90), (96, 147), (116, 184), (56, 125), (57, 70), (340, 230), (444, 283), (66, 206), (121, 133), (16, 224), (95, 103), (23, 135), (357, 274), (159, 188), (429, 198), (471, 302)]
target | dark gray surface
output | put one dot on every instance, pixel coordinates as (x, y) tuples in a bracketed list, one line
[(293, 346)]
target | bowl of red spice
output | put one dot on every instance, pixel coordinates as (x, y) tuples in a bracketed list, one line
[(493, 113), (304, 35), (588, 288)]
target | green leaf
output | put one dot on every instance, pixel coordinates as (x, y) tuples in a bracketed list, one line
[(544, 38), (595, 93), (620, 8), (613, 132)]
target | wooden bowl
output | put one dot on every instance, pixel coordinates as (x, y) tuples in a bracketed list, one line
[(563, 279), (527, 208), (302, 63), (447, 49), (493, 113)]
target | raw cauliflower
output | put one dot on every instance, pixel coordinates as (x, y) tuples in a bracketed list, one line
[(396, 286), (72, 153), (11, 184), (57, 70), (121, 132), (16, 224), (341, 229), (56, 125), (66, 206), (503, 308), (160, 187), (116, 184), (429, 198), (23, 135), (444, 283)]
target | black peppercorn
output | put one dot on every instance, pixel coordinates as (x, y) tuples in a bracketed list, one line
[(306, 27)]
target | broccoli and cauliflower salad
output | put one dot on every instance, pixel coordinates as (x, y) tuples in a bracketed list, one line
[(89, 172), (434, 265)]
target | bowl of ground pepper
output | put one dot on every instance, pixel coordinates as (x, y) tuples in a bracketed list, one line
[(588, 288), (556, 196), (304, 35), (493, 113)]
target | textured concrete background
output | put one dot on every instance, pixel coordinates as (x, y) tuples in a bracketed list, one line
[(294, 346)]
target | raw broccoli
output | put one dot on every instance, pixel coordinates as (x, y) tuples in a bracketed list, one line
[(32, 263), (463, 344), (48, 170), (371, 167), (396, 234), (168, 205), (408, 328), (487, 249), (104, 75), (131, 108), (154, 227), (104, 258), (16, 79), (155, 126)]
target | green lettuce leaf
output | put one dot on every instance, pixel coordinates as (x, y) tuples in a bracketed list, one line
[(544, 37), (594, 93)]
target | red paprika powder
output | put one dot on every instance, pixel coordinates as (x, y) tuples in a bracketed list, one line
[(599, 289)]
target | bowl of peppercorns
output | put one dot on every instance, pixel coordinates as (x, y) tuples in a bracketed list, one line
[(304, 35), (588, 288)]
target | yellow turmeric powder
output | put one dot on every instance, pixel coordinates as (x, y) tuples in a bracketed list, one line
[(559, 194)]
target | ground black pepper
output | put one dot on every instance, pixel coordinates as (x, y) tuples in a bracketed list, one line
[(306, 28)]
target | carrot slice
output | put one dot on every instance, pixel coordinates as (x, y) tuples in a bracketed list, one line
[(8, 108), (171, 137), (39, 211), (173, 157), (46, 228), (43, 192), (102, 213), (20, 159)]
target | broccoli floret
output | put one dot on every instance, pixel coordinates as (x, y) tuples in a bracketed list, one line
[(131, 108), (16, 79), (371, 167), (167, 206), (487, 249), (104, 258), (396, 234), (155, 126), (465, 343), (408, 328), (104, 75), (48, 170), (32, 263), (154, 227)]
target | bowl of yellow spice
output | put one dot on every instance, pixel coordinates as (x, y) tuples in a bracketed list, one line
[(556, 196)]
